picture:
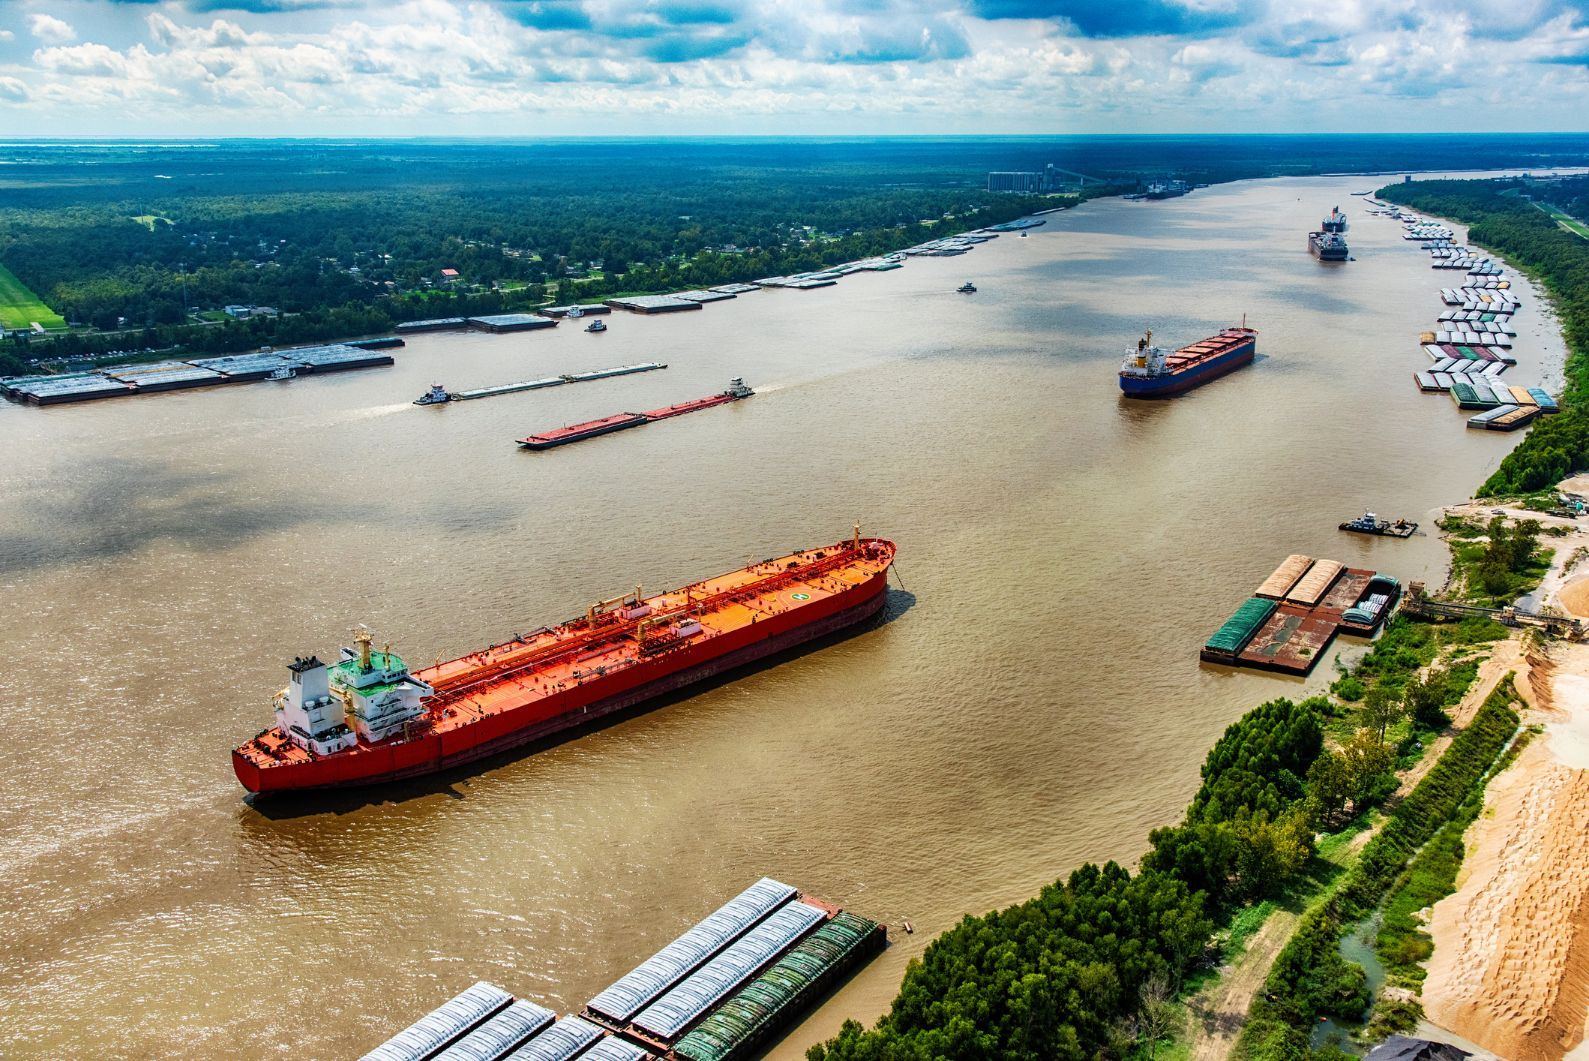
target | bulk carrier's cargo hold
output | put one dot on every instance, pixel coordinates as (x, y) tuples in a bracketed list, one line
[(367, 719)]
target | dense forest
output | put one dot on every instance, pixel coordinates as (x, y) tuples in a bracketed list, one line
[(139, 241), (1502, 216)]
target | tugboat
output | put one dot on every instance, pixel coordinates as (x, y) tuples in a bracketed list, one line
[(597, 325), (967, 288), (574, 312), (1368, 523), (437, 395), (284, 372)]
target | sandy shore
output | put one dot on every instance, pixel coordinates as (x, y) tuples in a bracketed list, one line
[(1510, 969)]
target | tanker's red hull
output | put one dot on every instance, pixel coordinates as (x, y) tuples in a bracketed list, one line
[(573, 707)]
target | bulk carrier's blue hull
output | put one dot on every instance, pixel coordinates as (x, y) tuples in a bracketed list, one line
[(1171, 384)]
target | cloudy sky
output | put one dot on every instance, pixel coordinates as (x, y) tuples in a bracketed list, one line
[(624, 67)]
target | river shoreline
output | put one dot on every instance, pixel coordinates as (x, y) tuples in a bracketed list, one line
[(1057, 541)]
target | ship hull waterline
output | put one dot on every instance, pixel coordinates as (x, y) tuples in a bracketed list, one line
[(690, 665)]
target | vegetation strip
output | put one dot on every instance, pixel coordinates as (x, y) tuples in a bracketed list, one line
[(1311, 979)]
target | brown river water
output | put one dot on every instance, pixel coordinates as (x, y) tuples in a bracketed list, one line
[(1032, 700)]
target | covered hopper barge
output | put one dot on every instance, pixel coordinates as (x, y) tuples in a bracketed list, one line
[(722, 991)]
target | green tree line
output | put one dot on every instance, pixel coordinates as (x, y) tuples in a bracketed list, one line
[(1080, 970), (1310, 979)]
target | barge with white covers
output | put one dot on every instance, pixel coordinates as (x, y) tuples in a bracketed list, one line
[(722, 991)]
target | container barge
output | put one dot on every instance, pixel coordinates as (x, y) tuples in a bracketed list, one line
[(727, 988), (606, 425), (1149, 372), (120, 381), (367, 719), (1288, 623), (439, 395)]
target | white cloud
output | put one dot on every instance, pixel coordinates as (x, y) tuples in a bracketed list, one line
[(758, 66), (50, 29), (7, 35)]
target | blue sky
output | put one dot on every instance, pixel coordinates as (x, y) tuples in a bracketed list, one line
[(638, 67)]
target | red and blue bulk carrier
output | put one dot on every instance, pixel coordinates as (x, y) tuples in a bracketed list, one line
[(366, 718), (1148, 372)]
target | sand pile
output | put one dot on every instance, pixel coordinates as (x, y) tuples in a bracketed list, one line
[(1574, 597), (1511, 964)]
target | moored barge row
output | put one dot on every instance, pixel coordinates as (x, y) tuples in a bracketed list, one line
[(1470, 345), (118, 381), (1288, 623), (722, 991)]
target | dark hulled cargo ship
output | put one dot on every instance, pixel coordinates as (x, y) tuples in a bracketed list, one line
[(1328, 244), (1149, 372)]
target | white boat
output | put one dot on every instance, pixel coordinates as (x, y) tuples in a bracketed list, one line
[(574, 312), (596, 326), (284, 372), (437, 395)]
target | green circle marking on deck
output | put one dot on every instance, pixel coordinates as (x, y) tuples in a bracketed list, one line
[(802, 596)]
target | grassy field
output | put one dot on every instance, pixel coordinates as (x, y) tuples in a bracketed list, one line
[(1565, 220), (20, 307)]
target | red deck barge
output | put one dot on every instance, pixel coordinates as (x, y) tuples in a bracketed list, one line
[(562, 436), (620, 653)]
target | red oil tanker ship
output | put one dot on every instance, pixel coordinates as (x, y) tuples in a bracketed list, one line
[(367, 719)]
